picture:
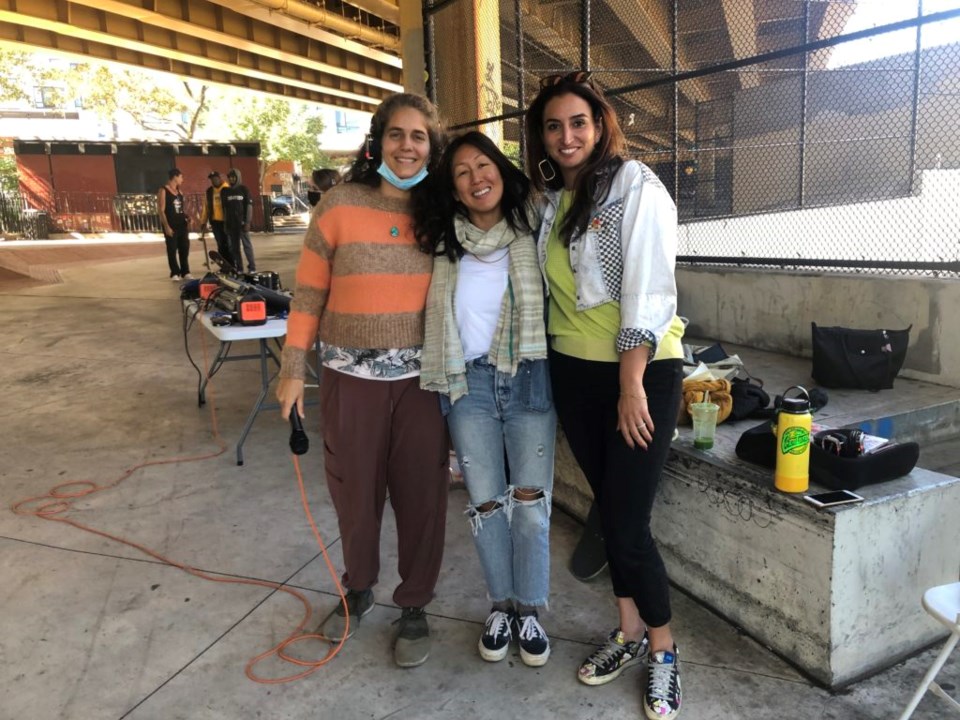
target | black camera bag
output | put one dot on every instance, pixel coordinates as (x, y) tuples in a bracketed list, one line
[(758, 445)]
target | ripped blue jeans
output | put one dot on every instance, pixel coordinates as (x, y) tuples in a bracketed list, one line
[(508, 421)]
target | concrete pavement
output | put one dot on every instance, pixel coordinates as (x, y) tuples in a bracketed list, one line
[(97, 380)]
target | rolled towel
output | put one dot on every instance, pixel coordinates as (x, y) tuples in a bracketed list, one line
[(719, 393)]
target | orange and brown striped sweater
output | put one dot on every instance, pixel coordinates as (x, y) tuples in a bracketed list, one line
[(361, 280)]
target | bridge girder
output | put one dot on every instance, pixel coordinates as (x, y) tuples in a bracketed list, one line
[(239, 43)]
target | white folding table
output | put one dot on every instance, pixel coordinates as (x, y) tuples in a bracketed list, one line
[(274, 329)]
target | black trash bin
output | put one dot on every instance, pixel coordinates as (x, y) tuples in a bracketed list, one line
[(36, 225)]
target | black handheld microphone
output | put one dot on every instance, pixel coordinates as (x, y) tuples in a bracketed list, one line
[(299, 442)]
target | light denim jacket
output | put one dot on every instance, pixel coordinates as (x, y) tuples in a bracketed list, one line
[(627, 254)]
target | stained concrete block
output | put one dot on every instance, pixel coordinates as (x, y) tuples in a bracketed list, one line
[(835, 592)]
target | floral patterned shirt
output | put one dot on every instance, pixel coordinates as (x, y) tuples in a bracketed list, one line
[(377, 364)]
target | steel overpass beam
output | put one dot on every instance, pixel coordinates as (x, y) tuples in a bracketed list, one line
[(741, 24), (202, 21), (251, 9), (205, 41)]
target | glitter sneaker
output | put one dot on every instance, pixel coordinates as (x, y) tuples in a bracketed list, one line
[(612, 658), (662, 698)]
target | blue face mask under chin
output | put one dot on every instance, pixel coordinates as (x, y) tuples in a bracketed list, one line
[(401, 184)]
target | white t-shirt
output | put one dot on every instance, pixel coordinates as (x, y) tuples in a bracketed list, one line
[(479, 293)]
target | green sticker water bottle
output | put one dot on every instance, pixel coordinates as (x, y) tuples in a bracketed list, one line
[(793, 443)]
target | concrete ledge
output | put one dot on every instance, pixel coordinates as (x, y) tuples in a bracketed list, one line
[(836, 592)]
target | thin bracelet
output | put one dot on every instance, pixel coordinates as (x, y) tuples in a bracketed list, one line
[(637, 397)]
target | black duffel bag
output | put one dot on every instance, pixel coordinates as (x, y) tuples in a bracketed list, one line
[(858, 359)]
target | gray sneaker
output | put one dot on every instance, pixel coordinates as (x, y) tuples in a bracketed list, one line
[(412, 644), (359, 603)]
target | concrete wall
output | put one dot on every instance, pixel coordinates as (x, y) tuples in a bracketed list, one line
[(772, 310), (835, 593)]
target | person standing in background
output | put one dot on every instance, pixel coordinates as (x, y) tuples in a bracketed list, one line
[(237, 213), (213, 214), (322, 180), (174, 223)]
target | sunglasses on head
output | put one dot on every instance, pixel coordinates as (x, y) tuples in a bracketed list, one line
[(576, 77)]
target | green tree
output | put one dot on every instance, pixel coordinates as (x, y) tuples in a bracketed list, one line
[(285, 131), (108, 91), (511, 148), (9, 177), (177, 108), (19, 75)]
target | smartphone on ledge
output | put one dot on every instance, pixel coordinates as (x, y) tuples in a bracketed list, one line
[(833, 498)]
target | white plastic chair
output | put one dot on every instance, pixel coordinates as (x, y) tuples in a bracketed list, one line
[(943, 603)]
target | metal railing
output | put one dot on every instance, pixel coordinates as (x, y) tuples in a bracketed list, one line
[(35, 216)]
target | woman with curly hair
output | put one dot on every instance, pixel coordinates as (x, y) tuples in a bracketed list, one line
[(362, 282)]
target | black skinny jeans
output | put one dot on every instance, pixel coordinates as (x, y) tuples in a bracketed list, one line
[(624, 481)]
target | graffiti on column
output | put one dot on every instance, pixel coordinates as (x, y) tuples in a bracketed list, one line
[(491, 99)]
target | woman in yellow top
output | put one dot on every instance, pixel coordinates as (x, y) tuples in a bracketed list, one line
[(607, 249)]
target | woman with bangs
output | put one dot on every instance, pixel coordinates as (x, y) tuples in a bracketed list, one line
[(607, 249), (485, 353)]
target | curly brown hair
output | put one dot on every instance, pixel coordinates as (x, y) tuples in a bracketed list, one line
[(370, 155)]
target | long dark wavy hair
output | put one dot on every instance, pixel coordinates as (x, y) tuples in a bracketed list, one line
[(434, 211), (593, 181), (370, 155)]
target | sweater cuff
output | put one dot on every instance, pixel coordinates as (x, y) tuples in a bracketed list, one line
[(293, 364)]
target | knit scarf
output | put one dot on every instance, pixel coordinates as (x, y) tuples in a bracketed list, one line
[(519, 334)]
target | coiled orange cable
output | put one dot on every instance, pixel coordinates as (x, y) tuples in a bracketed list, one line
[(57, 502)]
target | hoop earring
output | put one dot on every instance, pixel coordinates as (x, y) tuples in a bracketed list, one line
[(553, 171)]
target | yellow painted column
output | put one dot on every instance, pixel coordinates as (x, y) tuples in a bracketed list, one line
[(469, 74), (411, 46)]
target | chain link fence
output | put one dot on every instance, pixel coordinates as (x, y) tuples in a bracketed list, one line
[(805, 134)]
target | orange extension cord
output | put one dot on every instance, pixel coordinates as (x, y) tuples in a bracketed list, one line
[(56, 503)]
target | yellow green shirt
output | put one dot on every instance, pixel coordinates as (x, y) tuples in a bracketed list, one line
[(588, 334)]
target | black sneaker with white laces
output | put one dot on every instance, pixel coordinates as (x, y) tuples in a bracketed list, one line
[(661, 701), (612, 658), (534, 643), (497, 633)]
